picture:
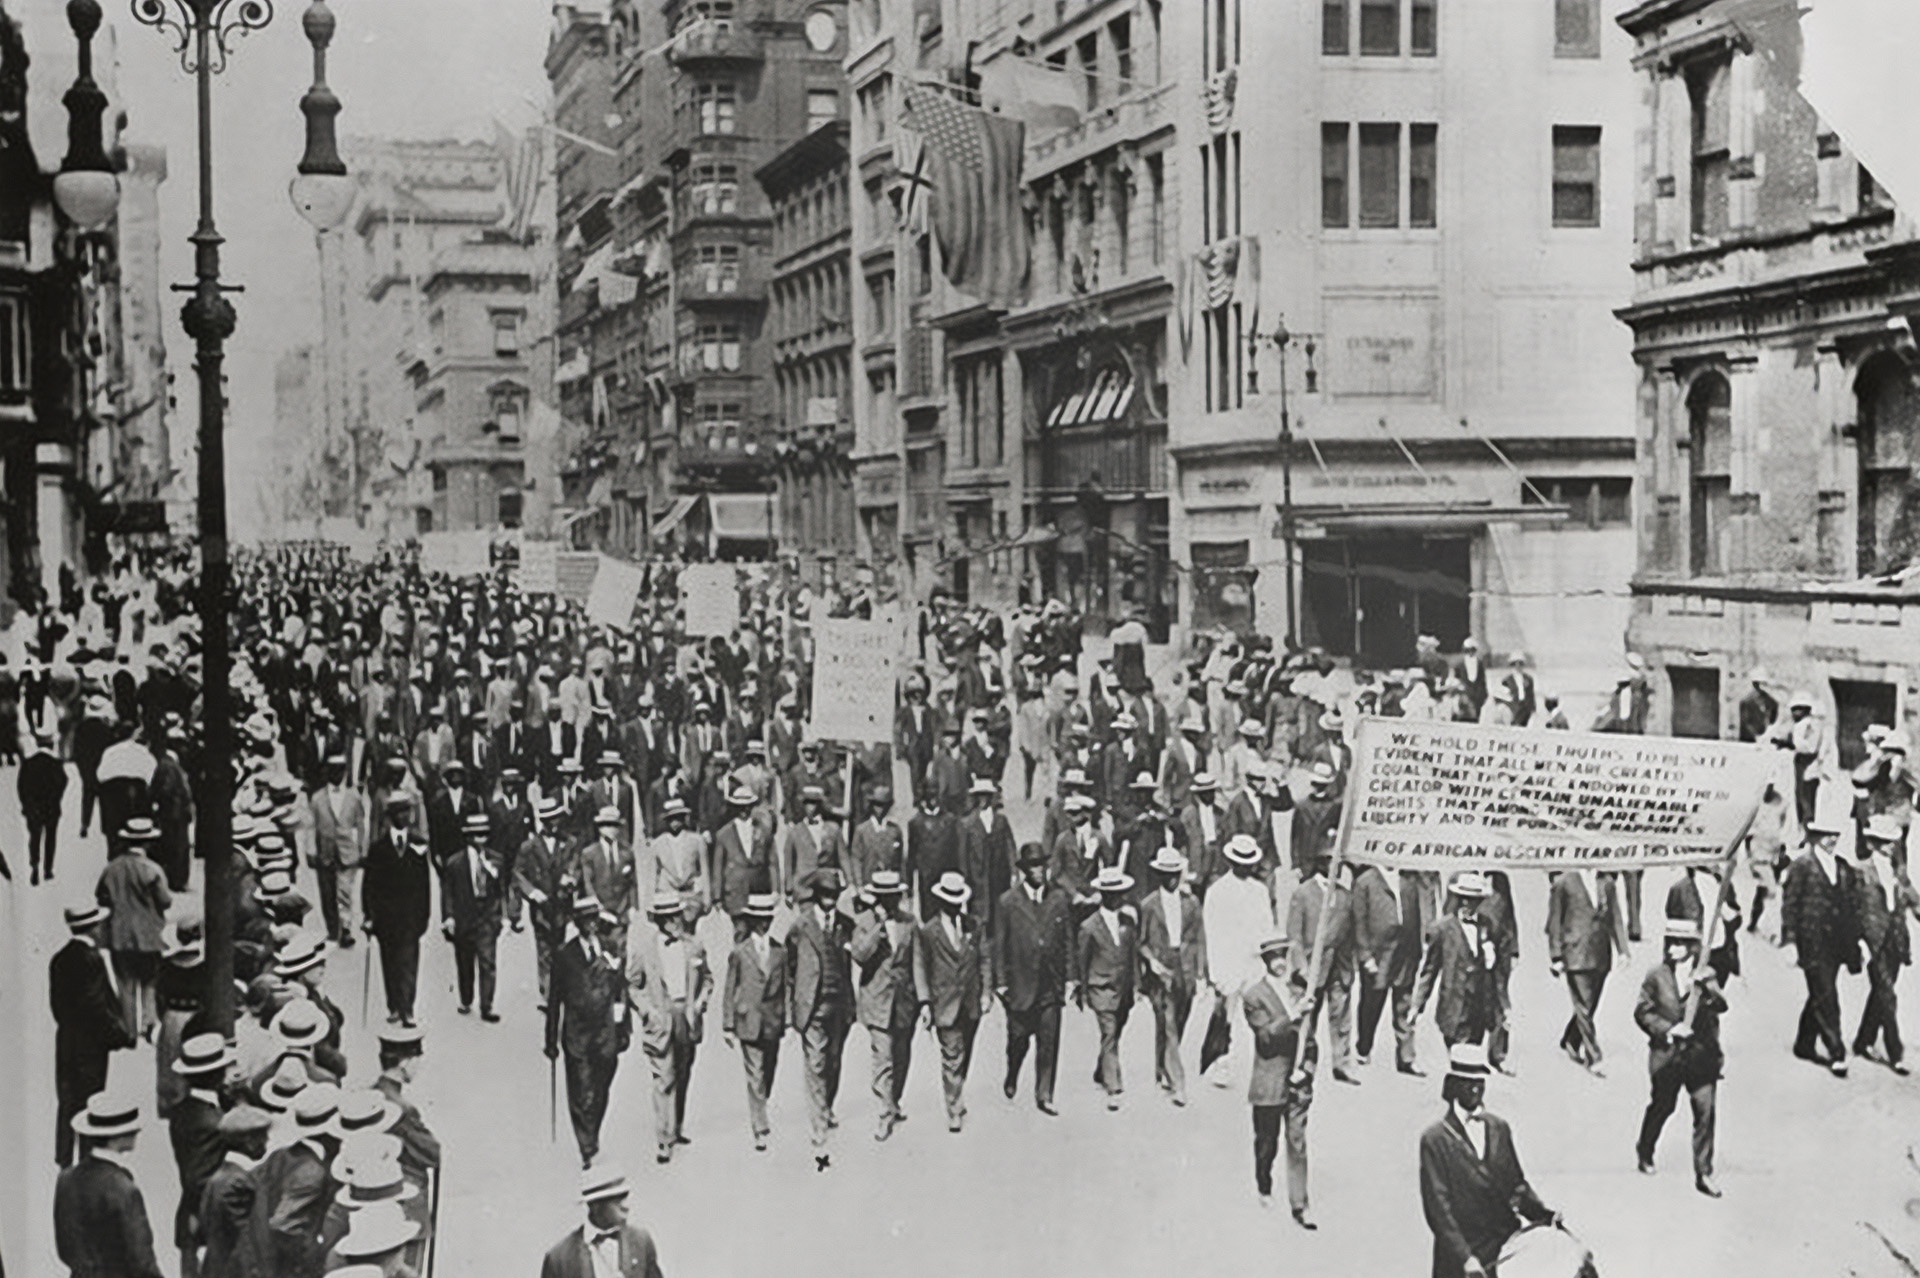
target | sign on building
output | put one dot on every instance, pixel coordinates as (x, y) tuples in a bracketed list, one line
[(853, 678), (710, 593), (1383, 346)]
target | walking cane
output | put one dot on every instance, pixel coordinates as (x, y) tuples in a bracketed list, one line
[(433, 1223), (366, 982), (553, 1099)]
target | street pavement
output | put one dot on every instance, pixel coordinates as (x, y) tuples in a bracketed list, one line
[(1811, 1165)]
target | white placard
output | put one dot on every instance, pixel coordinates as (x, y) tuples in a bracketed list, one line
[(853, 677), (711, 596), (539, 567), (616, 587)]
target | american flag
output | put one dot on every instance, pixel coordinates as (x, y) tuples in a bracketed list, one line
[(973, 159)]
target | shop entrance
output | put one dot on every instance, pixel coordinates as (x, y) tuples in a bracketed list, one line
[(1368, 598)]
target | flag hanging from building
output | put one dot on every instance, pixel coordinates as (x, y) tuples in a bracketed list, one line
[(974, 159)]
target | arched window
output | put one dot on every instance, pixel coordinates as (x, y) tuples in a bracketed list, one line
[(1710, 461), (1889, 487)]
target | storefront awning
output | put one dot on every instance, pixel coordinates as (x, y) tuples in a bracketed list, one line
[(675, 513), (1103, 399), (1311, 522), (741, 516)]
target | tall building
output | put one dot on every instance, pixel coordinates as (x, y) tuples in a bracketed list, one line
[(664, 110), (143, 446), (1454, 382), (1775, 294), (302, 488)]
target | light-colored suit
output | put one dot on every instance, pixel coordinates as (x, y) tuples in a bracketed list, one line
[(668, 985)]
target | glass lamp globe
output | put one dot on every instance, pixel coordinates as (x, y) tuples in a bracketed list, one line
[(324, 199), (89, 197)]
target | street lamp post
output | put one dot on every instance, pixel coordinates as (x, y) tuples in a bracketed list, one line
[(1280, 338), (202, 31)]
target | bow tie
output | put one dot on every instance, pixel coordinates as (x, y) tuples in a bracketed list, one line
[(1478, 1116), (605, 1236)]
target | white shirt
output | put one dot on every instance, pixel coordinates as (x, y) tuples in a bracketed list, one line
[(604, 1247), (673, 967), (1207, 822), (1590, 880), (1823, 857), (951, 922), (1238, 914), (1882, 871), (478, 868), (1392, 878), (1476, 1129), (1170, 904), (1112, 920)]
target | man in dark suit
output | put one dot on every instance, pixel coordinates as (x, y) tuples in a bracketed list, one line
[(547, 745), (1471, 1185), (742, 856), (916, 728), (1461, 957), (198, 1147), (90, 1021), (395, 902), (1817, 917), (1310, 908), (1679, 1011), (233, 1214), (1884, 896), (298, 1184), (1108, 957), (810, 840), (1173, 957), (1388, 927), (888, 1004), (100, 1224), (1278, 1093), (1586, 935), (512, 818), (472, 890), (542, 875), (41, 786), (986, 849), (607, 1243), (1032, 955), (587, 1018), (950, 978), (933, 849), (753, 1007), (822, 1005), (947, 777)]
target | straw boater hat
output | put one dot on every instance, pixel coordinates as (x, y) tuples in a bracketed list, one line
[(1203, 783), (1323, 774), (367, 1111), (1142, 781), (300, 1023), (1079, 803), (1273, 945), (608, 815), (376, 1229), (983, 785), (1252, 728), (742, 797), (1469, 1061), (203, 1054), (1073, 777), (360, 1150), (889, 883), (300, 954), (280, 1092), (477, 823), (316, 1108), (139, 830), (1168, 861), (952, 888), (81, 917), (1243, 849), (108, 1114), (1882, 828), (1125, 721), (1470, 883), (665, 905), (1111, 879), (760, 905), (602, 1182), (369, 1181), (550, 809), (1682, 930), (674, 807)]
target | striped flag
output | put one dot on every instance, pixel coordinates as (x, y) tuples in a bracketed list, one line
[(973, 159)]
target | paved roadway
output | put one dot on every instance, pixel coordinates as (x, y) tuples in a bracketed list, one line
[(1804, 1160)]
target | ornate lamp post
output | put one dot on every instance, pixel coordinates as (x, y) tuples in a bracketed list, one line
[(1280, 338), (203, 31)]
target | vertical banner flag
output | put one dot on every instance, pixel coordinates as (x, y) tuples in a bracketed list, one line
[(616, 588), (974, 160), (853, 680), (711, 595), (1425, 795)]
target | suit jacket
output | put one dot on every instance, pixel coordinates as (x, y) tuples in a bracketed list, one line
[(877, 848), (395, 889), (572, 1256), (1817, 914), (299, 1189), (233, 1222), (89, 1022), (1464, 974), (419, 1147), (753, 1005), (1661, 1006), (1032, 948), (947, 779), (1473, 1204), (1176, 776), (1204, 854), (647, 956), (1387, 937), (743, 866), (1884, 927), (586, 1002), (950, 978), (812, 952), (1303, 925), (610, 874), (339, 827), (986, 858), (545, 757), (135, 889), (1276, 1037), (888, 996), (100, 1225), (446, 820), (805, 848), (1072, 869), (1583, 936), (1106, 966), (1185, 964), (194, 1129), (474, 910), (42, 782)]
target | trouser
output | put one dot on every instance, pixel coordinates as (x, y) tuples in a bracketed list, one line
[(175, 856), (1372, 1000), (1634, 879), (822, 1040), (1339, 1005), (1881, 1015), (672, 1069), (545, 942), (133, 971), (760, 1060), (474, 952), (892, 1053), (1820, 1018), (1806, 787), (1267, 1120), (1172, 1004), (956, 1058), (74, 1083), (1497, 1036), (399, 972), (1041, 1024), (589, 1082), (1666, 1094), (42, 827), (89, 795), (1106, 1071), (337, 885), (1033, 765), (1579, 1038)]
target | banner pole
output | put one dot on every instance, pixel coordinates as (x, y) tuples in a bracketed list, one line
[(1316, 986)]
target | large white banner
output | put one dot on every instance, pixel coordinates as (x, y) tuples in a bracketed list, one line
[(853, 675), (1433, 796), (616, 587), (467, 553), (711, 596), (539, 567)]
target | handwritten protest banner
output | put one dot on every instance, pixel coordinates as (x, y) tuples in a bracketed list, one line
[(711, 595), (616, 586), (1435, 796), (539, 567), (467, 553), (853, 680), (574, 575)]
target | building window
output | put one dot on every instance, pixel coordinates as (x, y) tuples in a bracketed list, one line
[(874, 109), (1422, 146), (1087, 54), (1380, 28), (1422, 31), (923, 265), (1221, 36), (1710, 464), (1220, 176), (719, 347), (1120, 36), (16, 347), (1157, 193), (507, 403), (1121, 200), (1333, 175), (1333, 27), (977, 384), (1707, 93), (715, 190), (510, 502), (1870, 193), (719, 268), (1379, 175), (1576, 175), (1888, 444), (506, 333), (1576, 29), (1597, 502), (716, 102), (823, 107), (1225, 341)]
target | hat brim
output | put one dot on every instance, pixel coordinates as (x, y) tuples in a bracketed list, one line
[(1122, 884), (953, 896), (84, 1126)]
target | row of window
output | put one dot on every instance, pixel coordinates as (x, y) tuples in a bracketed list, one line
[(1382, 28), (715, 106), (811, 214), (1095, 229), (1384, 176), (811, 300), (1106, 61)]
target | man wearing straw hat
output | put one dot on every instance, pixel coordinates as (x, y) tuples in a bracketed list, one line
[(1460, 962), (472, 890), (135, 890), (882, 950), (607, 1245), (378, 1234), (90, 1020), (1471, 1185), (1679, 1011), (587, 1017), (822, 994), (668, 984), (951, 979), (1817, 915), (298, 1186), (810, 841), (100, 1221), (41, 786), (753, 1007), (1884, 898), (1108, 955), (194, 1127), (396, 902), (1279, 1096), (1173, 952), (233, 1217)]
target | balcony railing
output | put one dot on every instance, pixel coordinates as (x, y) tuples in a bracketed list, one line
[(713, 41)]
